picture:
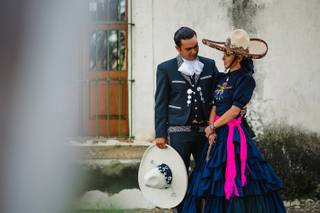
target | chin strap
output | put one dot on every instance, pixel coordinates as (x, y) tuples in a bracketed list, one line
[(234, 60)]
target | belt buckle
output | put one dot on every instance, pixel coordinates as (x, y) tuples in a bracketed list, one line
[(194, 128)]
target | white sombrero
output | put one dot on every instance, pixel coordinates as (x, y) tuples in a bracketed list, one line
[(240, 43), (162, 176)]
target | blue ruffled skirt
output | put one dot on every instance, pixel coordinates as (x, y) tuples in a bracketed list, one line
[(206, 183)]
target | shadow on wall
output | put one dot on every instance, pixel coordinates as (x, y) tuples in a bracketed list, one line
[(295, 155), (242, 13)]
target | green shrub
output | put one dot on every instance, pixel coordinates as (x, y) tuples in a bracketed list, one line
[(295, 155)]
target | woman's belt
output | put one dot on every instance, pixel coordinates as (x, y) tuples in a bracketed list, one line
[(230, 187)]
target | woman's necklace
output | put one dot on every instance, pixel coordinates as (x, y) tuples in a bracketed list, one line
[(225, 83)]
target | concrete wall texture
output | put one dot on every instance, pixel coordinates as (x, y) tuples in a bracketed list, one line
[(287, 78)]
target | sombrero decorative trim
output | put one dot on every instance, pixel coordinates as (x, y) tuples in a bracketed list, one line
[(162, 177), (240, 44)]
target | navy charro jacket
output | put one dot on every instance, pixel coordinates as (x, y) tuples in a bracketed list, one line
[(172, 90)]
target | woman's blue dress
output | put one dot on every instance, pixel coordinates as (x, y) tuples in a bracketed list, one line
[(261, 192)]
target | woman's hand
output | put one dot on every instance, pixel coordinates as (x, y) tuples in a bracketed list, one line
[(212, 138), (208, 130)]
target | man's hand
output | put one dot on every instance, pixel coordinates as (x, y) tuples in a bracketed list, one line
[(243, 111), (208, 131), (160, 142)]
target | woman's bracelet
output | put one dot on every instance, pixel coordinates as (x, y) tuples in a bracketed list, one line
[(211, 126)]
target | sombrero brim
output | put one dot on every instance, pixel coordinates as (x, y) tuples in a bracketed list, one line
[(164, 198), (258, 48)]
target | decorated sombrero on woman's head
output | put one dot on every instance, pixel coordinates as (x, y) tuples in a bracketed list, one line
[(239, 43)]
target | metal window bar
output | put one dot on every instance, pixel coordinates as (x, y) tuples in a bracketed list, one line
[(119, 68), (108, 85), (97, 87), (119, 76), (129, 59)]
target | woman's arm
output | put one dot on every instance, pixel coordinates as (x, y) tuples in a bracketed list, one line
[(224, 119), (212, 115), (227, 116)]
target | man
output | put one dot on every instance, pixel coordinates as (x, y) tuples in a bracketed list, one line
[(183, 98)]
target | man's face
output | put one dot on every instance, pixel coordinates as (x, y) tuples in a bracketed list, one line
[(189, 48)]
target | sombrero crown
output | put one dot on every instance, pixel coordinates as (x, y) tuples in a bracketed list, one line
[(162, 176), (239, 43)]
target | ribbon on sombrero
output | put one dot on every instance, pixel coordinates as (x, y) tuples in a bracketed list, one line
[(230, 187)]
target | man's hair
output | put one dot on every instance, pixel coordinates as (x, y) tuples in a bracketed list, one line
[(183, 33)]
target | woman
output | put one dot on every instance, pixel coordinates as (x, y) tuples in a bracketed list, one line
[(234, 177)]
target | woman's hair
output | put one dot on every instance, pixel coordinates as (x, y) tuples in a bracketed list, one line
[(247, 65), (183, 33)]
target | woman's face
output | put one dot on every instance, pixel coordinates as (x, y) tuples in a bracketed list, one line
[(229, 62), (228, 59)]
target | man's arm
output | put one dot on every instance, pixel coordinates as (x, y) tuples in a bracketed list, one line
[(161, 108)]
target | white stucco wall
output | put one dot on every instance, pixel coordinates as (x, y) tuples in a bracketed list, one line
[(290, 87), (142, 70), (287, 79)]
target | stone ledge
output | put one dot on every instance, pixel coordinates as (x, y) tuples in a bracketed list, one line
[(109, 150)]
